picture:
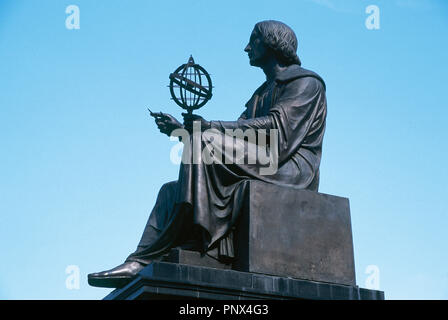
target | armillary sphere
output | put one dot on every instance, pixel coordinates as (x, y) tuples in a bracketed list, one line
[(190, 86)]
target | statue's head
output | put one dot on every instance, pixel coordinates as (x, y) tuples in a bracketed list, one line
[(272, 39)]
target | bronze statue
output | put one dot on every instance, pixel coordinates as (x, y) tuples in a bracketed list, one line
[(200, 209)]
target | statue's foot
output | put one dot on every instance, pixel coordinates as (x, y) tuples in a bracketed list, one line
[(117, 277)]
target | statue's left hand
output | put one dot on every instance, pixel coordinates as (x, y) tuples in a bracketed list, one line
[(190, 118)]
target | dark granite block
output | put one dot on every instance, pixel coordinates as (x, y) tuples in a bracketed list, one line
[(323, 290), (281, 285), (295, 233), (193, 258), (341, 293), (305, 288), (260, 282), (366, 294), (162, 280)]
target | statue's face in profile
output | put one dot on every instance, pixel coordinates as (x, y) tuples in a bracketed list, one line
[(256, 50)]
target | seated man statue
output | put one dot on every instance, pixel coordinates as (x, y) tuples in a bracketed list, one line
[(200, 210)]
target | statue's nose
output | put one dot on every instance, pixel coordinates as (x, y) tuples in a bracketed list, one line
[(247, 49)]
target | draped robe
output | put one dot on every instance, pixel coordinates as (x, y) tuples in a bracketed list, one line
[(206, 200)]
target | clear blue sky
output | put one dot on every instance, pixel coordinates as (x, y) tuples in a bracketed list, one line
[(81, 161)]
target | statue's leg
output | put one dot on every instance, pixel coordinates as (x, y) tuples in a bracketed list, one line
[(159, 216), (166, 225)]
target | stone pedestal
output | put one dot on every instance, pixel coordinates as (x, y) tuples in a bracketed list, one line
[(289, 244), (165, 280), (295, 233), (193, 258)]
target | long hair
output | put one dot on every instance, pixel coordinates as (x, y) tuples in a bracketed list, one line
[(281, 39)]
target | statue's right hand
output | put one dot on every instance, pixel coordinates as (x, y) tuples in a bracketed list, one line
[(166, 123)]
